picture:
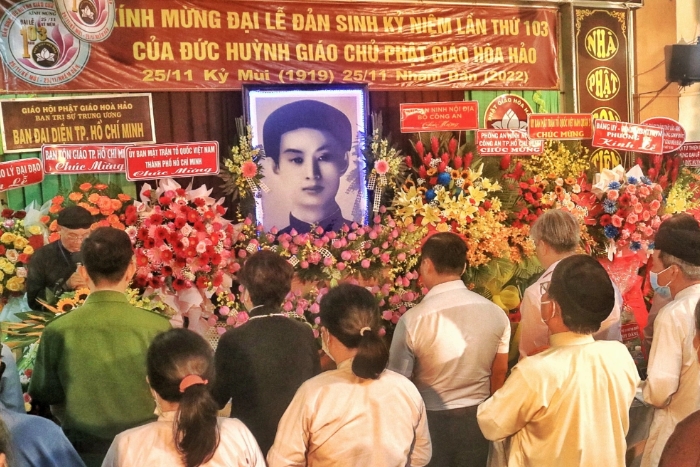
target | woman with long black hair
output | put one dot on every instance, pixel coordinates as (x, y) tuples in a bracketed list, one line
[(359, 414), (188, 432)]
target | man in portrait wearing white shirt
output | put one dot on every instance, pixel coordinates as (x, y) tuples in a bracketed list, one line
[(454, 347), (556, 235), (673, 382), (568, 405)]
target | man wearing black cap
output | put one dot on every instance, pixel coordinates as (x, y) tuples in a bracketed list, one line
[(673, 381), (53, 267), (568, 405), (308, 142)]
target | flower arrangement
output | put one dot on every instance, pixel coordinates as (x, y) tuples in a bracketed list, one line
[(106, 203), (242, 172), (181, 239), (386, 166), (684, 193), (559, 160), (17, 245)]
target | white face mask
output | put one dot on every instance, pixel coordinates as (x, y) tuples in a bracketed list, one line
[(324, 344)]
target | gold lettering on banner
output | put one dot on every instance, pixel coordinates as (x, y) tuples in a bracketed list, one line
[(603, 83), (471, 26), (134, 18), (190, 18), (601, 43), (431, 25), (605, 159), (357, 23), (258, 51), (606, 113)]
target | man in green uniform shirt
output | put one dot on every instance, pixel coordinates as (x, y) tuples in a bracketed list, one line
[(91, 363)]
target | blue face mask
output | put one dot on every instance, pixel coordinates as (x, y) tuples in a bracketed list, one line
[(662, 290)]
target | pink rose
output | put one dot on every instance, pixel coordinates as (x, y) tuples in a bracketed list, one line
[(646, 215), (340, 266), (613, 195), (381, 166), (346, 256), (636, 237), (224, 311), (327, 261), (365, 263), (648, 231), (638, 208), (401, 257), (617, 221), (632, 219), (631, 189), (385, 258), (655, 205), (387, 314)]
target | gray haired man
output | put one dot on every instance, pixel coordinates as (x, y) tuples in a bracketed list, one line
[(556, 235)]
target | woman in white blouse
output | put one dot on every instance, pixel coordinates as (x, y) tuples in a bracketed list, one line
[(188, 432), (359, 414)]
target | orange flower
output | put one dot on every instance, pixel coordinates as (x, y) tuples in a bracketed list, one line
[(83, 204), (100, 186), (106, 212), (119, 225), (75, 197), (55, 208), (104, 203), (122, 197), (93, 210), (54, 226), (116, 204), (85, 186), (93, 198), (57, 199), (45, 219), (54, 236)]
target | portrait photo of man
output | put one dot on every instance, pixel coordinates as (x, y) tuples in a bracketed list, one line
[(311, 165)]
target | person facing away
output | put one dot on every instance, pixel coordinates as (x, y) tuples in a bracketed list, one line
[(568, 405), (188, 432), (52, 268), (682, 448), (454, 346), (673, 377), (359, 414), (91, 362), (556, 235), (308, 142), (34, 441), (11, 397), (261, 364)]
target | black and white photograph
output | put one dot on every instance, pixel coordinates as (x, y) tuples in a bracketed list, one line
[(313, 164)]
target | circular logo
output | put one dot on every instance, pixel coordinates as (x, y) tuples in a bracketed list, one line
[(601, 43), (606, 113), (37, 48), (603, 83), (605, 159), (507, 112), (88, 20), (674, 133)]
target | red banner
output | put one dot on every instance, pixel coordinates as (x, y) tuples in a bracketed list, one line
[(439, 116), (690, 153), (627, 137), (674, 133), (77, 158), (177, 45), (501, 142), (19, 173), (560, 126), (172, 160)]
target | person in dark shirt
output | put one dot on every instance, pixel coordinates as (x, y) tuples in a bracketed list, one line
[(308, 142), (53, 267), (261, 364)]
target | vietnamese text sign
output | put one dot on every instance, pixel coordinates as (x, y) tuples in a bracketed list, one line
[(439, 116), (630, 332), (172, 160), (27, 124), (183, 45), (502, 142), (560, 126), (627, 137), (20, 173), (674, 133), (79, 158), (690, 153)]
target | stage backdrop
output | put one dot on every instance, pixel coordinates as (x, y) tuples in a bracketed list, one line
[(208, 44)]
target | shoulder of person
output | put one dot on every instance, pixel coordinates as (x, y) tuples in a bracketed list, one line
[(46, 251)]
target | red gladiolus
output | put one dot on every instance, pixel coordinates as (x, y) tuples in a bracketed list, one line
[(426, 160), (452, 147), (420, 149), (663, 181), (445, 157), (457, 162), (468, 160), (652, 173), (422, 172), (409, 161), (639, 162), (442, 166), (434, 144), (505, 162)]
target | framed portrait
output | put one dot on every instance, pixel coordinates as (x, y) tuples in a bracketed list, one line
[(313, 166)]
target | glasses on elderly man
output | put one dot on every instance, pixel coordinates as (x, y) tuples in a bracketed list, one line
[(75, 237)]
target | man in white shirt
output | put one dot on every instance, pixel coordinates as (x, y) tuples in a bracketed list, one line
[(556, 235), (673, 381), (568, 405), (454, 347)]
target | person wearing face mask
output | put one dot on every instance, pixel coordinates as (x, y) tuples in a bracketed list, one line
[(662, 295), (261, 364), (568, 405), (673, 381), (360, 414), (682, 448)]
